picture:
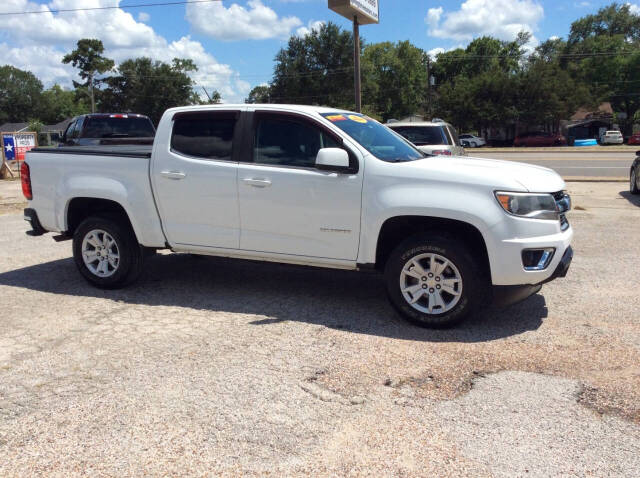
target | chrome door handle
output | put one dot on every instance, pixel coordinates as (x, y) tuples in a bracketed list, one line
[(173, 174), (257, 183)]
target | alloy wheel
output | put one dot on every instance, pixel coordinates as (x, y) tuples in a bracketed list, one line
[(100, 253), (431, 283)]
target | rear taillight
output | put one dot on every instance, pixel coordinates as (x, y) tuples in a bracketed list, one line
[(441, 152), (25, 177)]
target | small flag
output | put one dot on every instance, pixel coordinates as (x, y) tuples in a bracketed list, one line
[(9, 148)]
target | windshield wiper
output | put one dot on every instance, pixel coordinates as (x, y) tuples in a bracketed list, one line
[(115, 135)]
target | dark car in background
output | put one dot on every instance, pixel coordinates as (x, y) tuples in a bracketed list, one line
[(539, 138), (108, 129)]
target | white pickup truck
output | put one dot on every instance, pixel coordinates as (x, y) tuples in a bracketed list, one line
[(311, 186)]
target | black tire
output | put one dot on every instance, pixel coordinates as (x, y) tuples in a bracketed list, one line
[(131, 254), (633, 180), (454, 251)]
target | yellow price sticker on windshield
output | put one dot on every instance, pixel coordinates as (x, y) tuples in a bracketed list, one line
[(335, 118), (358, 119)]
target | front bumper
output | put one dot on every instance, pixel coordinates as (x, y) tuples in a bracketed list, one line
[(504, 296), (563, 266)]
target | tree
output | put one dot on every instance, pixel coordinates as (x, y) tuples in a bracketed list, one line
[(213, 98), (603, 52), (58, 104), (20, 93), (87, 57), (259, 94), (395, 78), (149, 87), (316, 69)]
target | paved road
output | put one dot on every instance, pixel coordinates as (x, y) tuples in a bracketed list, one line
[(571, 164)]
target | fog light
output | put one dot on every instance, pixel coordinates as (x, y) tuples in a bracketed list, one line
[(537, 259)]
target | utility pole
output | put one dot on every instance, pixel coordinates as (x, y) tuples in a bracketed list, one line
[(93, 100), (356, 63), (428, 86)]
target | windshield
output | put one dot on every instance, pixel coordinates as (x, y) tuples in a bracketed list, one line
[(375, 138), (422, 135), (118, 127)]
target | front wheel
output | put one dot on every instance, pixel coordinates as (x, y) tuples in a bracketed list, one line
[(633, 181), (433, 281), (106, 252)]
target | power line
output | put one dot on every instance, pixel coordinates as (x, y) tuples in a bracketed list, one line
[(140, 5)]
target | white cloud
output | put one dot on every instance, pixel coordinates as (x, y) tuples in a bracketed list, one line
[(144, 17), (634, 9), (433, 53), (311, 26), (38, 43), (257, 22), (503, 19), (433, 16)]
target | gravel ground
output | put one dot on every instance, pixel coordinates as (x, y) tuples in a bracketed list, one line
[(217, 367)]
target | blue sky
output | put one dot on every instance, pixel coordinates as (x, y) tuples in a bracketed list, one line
[(234, 42)]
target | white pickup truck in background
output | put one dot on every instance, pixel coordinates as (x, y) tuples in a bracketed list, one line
[(312, 186)]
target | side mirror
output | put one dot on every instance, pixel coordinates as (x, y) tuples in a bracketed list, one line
[(333, 159)]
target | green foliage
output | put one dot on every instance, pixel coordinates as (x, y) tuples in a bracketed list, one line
[(87, 57), (35, 125), (58, 104), (20, 94), (395, 78), (604, 49), (149, 87), (315, 69), (259, 94)]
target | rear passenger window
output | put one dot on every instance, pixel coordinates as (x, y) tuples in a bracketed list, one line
[(202, 136)]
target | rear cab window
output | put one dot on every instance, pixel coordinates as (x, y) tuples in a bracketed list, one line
[(204, 135), (118, 126), (423, 135)]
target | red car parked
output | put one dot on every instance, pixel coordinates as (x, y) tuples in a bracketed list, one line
[(634, 138), (539, 138)]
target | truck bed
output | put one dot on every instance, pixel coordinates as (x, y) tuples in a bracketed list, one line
[(124, 150)]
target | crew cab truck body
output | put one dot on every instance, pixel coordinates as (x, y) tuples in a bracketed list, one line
[(312, 186)]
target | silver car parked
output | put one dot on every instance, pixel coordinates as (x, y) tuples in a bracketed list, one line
[(431, 137)]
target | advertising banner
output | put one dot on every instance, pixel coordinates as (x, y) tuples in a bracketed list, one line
[(24, 142), (367, 11)]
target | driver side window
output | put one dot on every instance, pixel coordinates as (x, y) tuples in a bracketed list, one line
[(288, 142)]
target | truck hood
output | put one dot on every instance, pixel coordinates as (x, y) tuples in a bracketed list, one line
[(494, 173)]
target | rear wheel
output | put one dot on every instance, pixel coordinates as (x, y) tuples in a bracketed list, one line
[(106, 252), (433, 281), (633, 181)]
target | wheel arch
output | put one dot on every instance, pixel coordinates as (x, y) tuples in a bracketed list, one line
[(398, 228), (80, 208)]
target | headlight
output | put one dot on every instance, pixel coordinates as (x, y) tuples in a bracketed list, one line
[(531, 206)]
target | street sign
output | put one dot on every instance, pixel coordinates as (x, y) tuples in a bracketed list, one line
[(366, 11)]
